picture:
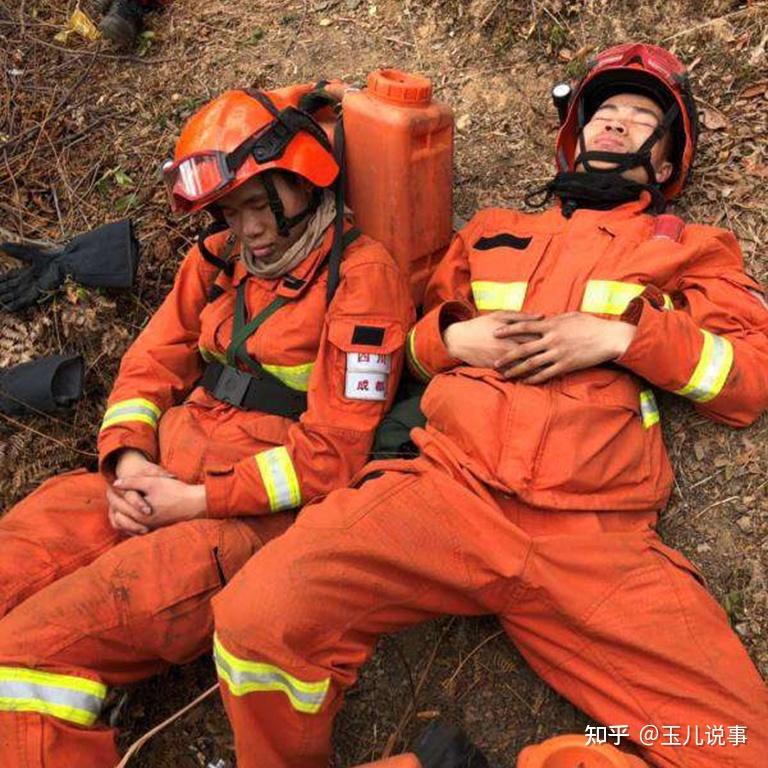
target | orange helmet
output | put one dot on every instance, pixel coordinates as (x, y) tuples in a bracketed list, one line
[(571, 751), (239, 135), (633, 68)]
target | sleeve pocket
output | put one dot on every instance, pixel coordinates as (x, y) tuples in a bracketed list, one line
[(366, 350)]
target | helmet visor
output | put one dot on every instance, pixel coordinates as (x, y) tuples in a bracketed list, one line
[(196, 178)]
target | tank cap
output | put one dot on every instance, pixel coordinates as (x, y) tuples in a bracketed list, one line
[(400, 87)]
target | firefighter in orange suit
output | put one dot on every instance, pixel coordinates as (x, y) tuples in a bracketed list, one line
[(256, 387), (542, 469)]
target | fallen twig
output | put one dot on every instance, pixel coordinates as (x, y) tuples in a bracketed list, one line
[(395, 736), (26, 427), (470, 655), (140, 742), (731, 15), (715, 504), (51, 112)]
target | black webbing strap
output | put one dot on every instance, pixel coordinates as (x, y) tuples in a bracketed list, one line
[(243, 329), (334, 259), (258, 390), (253, 393), (272, 141), (318, 98), (338, 246)]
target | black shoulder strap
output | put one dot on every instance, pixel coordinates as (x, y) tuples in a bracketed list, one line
[(243, 329), (337, 248), (317, 98)]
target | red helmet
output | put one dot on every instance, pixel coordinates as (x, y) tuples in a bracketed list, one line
[(239, 135), (635, 68)]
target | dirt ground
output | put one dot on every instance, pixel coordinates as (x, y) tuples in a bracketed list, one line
[(83, 129)]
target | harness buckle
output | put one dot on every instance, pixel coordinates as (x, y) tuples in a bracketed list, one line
[(232, 385)]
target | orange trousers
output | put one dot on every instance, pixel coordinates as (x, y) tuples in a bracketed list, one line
[(610, 617), (84, 608)]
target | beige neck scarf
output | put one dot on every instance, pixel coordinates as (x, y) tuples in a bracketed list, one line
[(309, 240)]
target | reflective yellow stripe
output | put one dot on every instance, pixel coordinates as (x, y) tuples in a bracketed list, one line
[(211, 355), (243, 677), (75, 699), (293, 376), (611, 297), (279, 477), (491, 296), (711, 371), (411, 352), (649, 409), (136, 409)]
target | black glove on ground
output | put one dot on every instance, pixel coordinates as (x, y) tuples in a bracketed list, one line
[(50, 384), (447, 746), (106, 257)]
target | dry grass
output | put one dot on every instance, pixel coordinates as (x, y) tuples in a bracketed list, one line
[(75, 121)]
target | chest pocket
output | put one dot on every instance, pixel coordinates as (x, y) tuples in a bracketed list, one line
[(501, 266)]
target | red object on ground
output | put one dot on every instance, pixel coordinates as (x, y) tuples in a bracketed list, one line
[(571, 751), (408, 760)]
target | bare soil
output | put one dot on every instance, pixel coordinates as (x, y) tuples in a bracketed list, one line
[(83, 129)]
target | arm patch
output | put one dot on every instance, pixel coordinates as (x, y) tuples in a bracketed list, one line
[(369, 335)]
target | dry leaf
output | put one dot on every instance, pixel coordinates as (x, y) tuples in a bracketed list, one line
[(584, 51), (757, 169), (699, 449), (758, 89), (80, 23), (713, 120)]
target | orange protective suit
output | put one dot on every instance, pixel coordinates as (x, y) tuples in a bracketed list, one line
[(85, 608), (534, 503)]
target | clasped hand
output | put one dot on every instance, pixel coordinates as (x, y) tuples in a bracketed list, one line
[(536, 348), (146, 496)]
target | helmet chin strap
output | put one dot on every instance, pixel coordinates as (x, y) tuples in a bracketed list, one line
[(285, 224), (625, 161), (598, 191)]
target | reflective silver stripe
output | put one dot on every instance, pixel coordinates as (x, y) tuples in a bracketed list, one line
[(649, 409), (243, 677), (279, 477), (66, 697), (711, 371), (136, 409)]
